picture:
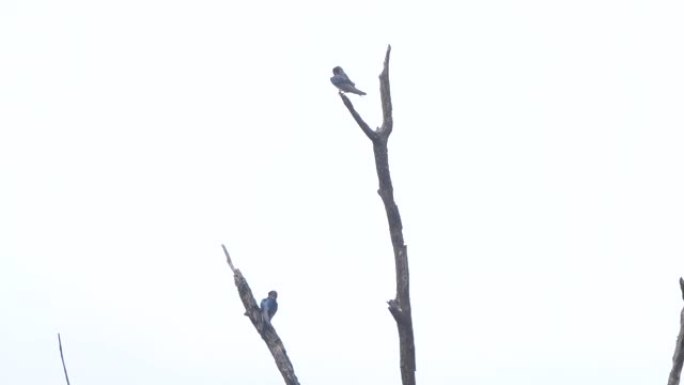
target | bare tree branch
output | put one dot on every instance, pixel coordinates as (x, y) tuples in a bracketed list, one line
[(365, 127), (61, 354), (263, 327), (385, 96), (400, 306), (678, 358)]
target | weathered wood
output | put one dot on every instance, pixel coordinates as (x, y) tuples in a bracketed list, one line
[(263, 327), (400, 306)]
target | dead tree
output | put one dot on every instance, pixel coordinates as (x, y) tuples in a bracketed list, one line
[(263, 327), (400, 305), (678, 358)]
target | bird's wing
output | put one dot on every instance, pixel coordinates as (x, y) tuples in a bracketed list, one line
[(349, 80), (340, 80)]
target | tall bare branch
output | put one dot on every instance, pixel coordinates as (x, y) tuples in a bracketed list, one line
[(400, 305), (263, 327), (678, 358)]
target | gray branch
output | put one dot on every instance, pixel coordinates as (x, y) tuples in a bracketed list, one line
[(400, 306), (61, 354), (264, 328), (678, 357)]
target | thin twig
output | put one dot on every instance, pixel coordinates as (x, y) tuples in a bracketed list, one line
[(230, 263), (61, 354)]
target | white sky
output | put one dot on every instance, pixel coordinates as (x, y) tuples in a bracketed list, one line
[(537, 160)]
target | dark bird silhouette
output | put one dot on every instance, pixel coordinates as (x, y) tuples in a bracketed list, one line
[(269, 306), (342, 82)]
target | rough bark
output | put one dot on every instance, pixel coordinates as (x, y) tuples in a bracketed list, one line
[(263, 327), (678, 357), (400, 305)]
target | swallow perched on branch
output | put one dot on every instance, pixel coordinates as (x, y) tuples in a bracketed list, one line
[(269, 306), (342, 82)]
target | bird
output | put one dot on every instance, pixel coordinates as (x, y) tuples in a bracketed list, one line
[(269, 306), (342, 82)]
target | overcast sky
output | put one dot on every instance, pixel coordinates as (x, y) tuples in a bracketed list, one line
[(537, 157)]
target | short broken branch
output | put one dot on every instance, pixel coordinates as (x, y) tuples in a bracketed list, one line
[(263, 327), (396, 311)]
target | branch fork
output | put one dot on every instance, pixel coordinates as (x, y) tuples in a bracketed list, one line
[(400, 306)]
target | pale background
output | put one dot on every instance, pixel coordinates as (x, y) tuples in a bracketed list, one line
[(537, 160)]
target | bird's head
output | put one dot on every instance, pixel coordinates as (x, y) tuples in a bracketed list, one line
[(273, 294), (338, 70)]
